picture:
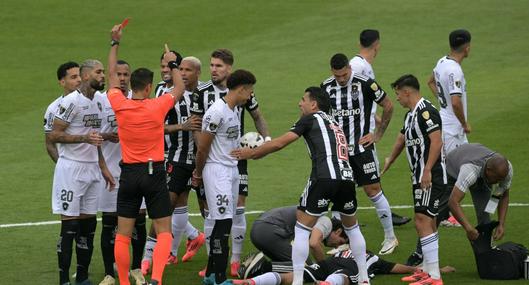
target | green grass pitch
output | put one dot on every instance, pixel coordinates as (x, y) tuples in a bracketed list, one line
[(287, 44)]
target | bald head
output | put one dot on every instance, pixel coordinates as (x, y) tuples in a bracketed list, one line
[(497, 168)]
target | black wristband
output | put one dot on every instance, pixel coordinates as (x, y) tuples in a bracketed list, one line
[(113, 43), (172, 64)]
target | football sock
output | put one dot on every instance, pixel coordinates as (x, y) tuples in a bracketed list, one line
[(179, 222), (121, 253), (335, 279), (139, 236), (238, 231), (220, 248), (191, 231), (208, 229), (85, 246), (300, 251), (107, 242), (269, 278), (384, 214), (69, 229), (149, 248), (430, 249), (282, 266), (357, 244), (160, 255)]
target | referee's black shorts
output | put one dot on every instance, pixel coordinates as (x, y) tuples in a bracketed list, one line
[(135, 183)]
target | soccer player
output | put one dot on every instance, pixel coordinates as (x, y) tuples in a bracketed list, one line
[(421, 136), (77, 178), (273, 232), (69, 79), (220, 134), (339, 269), (448, 83), (108, 199), (361, 64), (180, 146), (140, 130), (331, 178), (221, 63), (354, 100), (488, 176)]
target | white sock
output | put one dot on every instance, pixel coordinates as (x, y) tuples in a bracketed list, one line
[(270, 278), (335, 279), (191, 231), (336, 215), (430, 251), (149, 248), (357, 243), (300, 251), (208, 228), (384, 214), (238, 231), (178, 220)]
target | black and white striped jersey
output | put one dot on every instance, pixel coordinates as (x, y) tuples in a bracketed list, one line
[(327, 146), (208, 93), (418, 124), (180, 146), (354, 107)]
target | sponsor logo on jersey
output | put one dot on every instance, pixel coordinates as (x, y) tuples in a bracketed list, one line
[(233, 132), (346, 112), (347, 173), (92, 120), (413, 142)]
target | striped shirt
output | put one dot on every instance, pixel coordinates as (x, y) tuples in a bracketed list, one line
[(354, 107), (180, 146), (423, 120), (327, 146)]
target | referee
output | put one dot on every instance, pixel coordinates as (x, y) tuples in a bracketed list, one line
[(140, 129)]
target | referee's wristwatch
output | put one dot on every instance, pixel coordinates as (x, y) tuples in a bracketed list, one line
[(114, 42)]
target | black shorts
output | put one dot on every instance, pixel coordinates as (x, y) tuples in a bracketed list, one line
[(178, 177), (318, 193), (429, 202), (365, 167), (135, 183), (243, 177), (324, 268)]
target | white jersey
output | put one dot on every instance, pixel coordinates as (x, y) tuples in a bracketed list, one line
[(83, 116), (109, 124), (222, 122), (450, 81), (360, 65), (48, 119)]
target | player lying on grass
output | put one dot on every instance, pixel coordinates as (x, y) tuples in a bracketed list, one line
[(340, 269)]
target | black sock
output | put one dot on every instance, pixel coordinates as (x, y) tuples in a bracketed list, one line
[(108, 234), (220, 248), (211, 261), (139, 237), (69, 229), (85, 247)]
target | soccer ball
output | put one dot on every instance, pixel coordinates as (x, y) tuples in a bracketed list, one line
[(252, 140)]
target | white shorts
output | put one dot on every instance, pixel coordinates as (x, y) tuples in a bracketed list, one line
[(108, 199), (221, 184), (76, 187), (451, 142)]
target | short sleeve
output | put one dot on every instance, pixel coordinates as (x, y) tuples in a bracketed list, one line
[(324, 225), (455, 82), (372, 90), (429, 120), (212, 121), (67, 109), (251, 104), (197, 103), (116, 98), (166, 102), (302, 126), (48, 118), (468, 175)]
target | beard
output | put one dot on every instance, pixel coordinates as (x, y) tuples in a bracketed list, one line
[(97, 85)]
